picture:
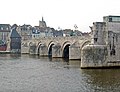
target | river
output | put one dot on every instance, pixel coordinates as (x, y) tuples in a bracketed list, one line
[(26, 73)]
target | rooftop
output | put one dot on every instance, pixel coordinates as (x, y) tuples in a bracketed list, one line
[(14, 34)]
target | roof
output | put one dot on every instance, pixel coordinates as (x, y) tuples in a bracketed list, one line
[(14, 26), (14, 34), (113, 16), (4, 27), (26, 25)]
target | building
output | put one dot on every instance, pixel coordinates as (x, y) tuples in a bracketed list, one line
[(42, 24), (104, 50), (98, 33), (67, 32), (78, 33), (57, 33), (112, 39), (25, 31), (108, 33), (49, 32), (15, 42), (5, 30), (42, 32), (35, 32)]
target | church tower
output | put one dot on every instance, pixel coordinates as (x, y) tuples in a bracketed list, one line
[(42, 24)]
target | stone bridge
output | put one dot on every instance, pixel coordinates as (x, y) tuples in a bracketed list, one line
[(68, 47)]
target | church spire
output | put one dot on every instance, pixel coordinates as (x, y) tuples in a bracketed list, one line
[(42, 19)]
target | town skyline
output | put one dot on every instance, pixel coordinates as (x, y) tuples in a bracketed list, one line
[(63, 14)]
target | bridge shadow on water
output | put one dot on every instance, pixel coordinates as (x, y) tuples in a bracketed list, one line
[(65, 62), (60, 61), (15, 56)]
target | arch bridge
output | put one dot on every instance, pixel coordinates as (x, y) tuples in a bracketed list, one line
[(67, 47)]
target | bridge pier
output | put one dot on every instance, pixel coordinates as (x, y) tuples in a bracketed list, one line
[(74, 52), (32, 50), (24, 50), (56, 51), (94, 56), (43, 50)]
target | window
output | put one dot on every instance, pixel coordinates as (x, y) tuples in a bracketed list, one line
[(110, 19), (7, 28), (1, 28), (95, 39)]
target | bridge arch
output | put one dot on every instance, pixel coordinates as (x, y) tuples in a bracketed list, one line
[(32, 47), (38, 47), (85, 43), (30, 44), (76, 43), (50, 48), (65, 49)]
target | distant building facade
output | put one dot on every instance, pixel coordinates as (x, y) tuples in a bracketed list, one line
[(5, 30), (38, 32), (57, 33), (35, 32), (67, 32), (25, 31)]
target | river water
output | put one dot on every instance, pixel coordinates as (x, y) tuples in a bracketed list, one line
[(40, 74)]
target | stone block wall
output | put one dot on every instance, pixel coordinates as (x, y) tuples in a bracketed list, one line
[(43, 50), (56, 51), (74, 52), (94, 56)]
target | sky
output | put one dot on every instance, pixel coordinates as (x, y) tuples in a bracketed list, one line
[(63, 14)]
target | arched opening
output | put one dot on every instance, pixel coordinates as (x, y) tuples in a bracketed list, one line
[(30, 44), (38, 48), (38, 51), (32, 49), (66, 51), (85, 43), (50, 51)]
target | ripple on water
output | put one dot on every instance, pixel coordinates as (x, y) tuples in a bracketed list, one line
[(33, 74)]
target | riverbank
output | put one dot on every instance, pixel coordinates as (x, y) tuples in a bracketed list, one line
[(4, 52)]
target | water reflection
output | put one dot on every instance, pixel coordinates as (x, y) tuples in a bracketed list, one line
[(33, 56), (15, 55), (6, 57), (102, 80), (66, 63)]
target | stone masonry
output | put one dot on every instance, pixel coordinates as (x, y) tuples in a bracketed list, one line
[(104, 50)]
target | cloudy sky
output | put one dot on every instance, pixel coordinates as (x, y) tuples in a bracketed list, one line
[(57, 13)]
